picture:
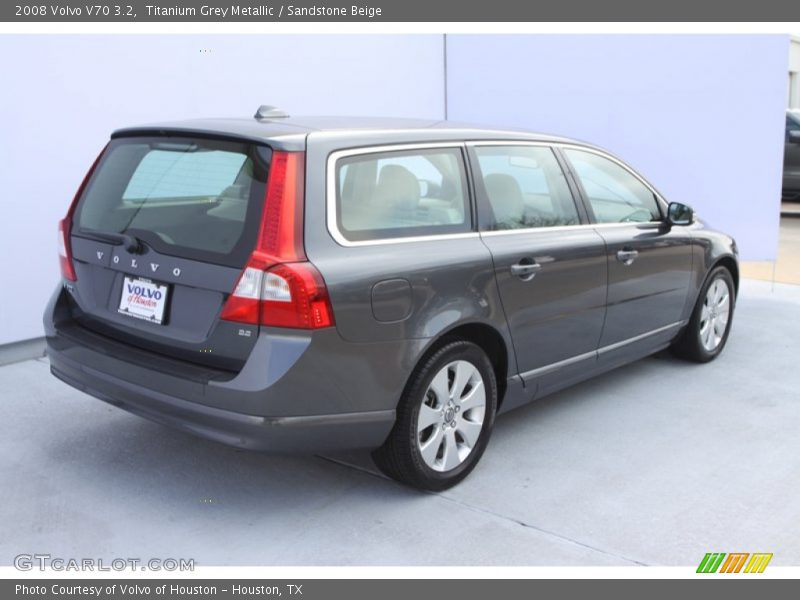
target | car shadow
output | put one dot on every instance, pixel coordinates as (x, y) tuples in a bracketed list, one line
[(145, 458), (158, 466)]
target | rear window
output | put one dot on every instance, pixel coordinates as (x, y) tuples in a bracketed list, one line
[(194, 198), (406, 193)]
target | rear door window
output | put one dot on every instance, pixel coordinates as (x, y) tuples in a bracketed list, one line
[(407, 193), (525, 188), (195, 198)]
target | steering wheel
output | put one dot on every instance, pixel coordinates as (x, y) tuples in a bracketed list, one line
[(631, 217)]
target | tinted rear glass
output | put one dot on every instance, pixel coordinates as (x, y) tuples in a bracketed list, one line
[(189, 197)]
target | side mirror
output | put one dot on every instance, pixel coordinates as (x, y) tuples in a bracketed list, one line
[(794, 136), (679, 214)]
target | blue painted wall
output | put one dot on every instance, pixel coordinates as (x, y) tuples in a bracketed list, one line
[(63, 95), (701, 116)]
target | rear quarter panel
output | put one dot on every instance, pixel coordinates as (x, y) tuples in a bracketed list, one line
[(450, 282)]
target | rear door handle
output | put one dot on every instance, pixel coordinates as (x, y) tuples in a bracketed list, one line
[(627, 255), (525, 270)]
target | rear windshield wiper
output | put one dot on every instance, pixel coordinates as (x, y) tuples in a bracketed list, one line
[(131, 242)]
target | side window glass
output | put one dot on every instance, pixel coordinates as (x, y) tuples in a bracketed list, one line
[(525, 187), (614, 193), (791, 125), (402, 194)]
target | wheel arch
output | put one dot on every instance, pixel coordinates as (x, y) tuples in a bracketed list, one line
[(487, 338), (729, 262)]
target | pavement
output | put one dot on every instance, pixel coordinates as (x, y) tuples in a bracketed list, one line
[(656, 463), (786, 266)]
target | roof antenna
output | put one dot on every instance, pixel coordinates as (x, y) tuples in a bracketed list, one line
[(265, 111)]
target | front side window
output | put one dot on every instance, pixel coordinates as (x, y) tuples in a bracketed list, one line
[(525, 187), (405, 193), (614, 193)]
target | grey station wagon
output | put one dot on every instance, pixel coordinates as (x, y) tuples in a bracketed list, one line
[(317, 284), (791, 157)]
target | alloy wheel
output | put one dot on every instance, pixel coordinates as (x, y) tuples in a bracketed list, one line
[(714, 315), (451, 416)]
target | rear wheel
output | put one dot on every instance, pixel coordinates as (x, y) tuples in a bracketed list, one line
[(707, 332), (444, 419)]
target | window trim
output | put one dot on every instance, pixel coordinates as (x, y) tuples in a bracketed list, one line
[(332, 196), (466, 146)]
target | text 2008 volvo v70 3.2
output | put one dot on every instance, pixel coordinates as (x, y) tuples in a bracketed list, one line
[(309, 284)]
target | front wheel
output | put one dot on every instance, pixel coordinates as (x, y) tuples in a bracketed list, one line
[(444, 419), (707, 332)]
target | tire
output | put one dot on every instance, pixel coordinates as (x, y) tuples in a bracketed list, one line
[(705, 336), (441, 431)]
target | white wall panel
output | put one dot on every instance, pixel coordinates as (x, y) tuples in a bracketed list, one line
[(62, 96), (701, 116)]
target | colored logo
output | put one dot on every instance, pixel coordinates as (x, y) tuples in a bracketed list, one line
[(735, 562)]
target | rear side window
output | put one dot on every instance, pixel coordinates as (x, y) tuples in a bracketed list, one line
[(525, 188), (614, 193), (402, 194), (194, 198)]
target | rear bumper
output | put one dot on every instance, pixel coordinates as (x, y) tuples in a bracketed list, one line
[(275, 434), (264, 407)]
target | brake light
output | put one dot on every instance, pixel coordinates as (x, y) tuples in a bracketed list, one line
[(281, 232), (286, 295), (64, 253), (65, 228), (279, 287)]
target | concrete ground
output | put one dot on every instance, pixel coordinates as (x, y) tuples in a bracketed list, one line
[(656, 463), (786, 267)]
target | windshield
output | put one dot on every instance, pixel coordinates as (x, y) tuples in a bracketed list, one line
[(190, 197)]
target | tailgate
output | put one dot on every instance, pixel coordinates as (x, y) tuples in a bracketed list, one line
[(159, 239)]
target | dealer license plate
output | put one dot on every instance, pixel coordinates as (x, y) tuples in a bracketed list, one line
[(143, 299)]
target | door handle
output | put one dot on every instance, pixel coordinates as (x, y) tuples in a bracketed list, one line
[(525, 269), (627, 255)]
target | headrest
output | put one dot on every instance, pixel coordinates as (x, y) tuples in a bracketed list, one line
[(506, 198), (397, 187)]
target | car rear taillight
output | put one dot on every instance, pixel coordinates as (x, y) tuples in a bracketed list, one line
[(65, 228), (286, 295), (64, 251), (278, 286)]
